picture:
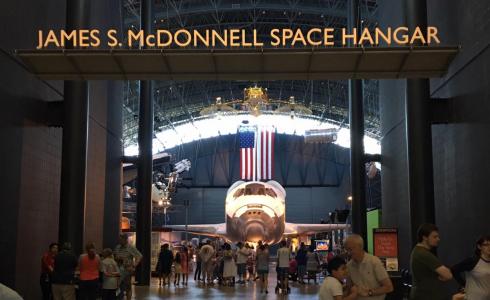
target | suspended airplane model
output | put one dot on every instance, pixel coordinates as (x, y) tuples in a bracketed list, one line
[(256, 211)]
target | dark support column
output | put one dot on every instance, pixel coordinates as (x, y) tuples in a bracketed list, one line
[(419, 137), (74, 153), (145, 164), (356, 121)]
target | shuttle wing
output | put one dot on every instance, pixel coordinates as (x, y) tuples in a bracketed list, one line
[(215, 230), (301, 229)]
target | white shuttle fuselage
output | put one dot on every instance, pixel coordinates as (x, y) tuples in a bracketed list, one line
[(255, 211)]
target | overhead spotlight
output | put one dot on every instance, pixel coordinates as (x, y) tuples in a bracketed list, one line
[(349, 199)]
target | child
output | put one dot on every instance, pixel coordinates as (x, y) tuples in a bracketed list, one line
[(331, 288), (111, 275)]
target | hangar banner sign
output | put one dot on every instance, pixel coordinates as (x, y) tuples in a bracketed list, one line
[(238, 38)]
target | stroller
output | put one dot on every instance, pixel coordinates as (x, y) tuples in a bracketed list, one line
[(279, 289)]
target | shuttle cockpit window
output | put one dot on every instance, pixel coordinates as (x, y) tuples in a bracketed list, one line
[(271, 193), (238, 193)]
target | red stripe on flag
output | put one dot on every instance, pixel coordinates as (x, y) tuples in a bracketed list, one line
[(272, 156), (249, 163), (267, 154), (262, 151), (246, 163)]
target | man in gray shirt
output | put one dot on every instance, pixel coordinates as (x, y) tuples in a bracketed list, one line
[(128, 257)]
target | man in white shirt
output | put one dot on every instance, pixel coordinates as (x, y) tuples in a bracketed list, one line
[(241, 261), (207, 253), (332, 287), (283, 255), (366, 271)]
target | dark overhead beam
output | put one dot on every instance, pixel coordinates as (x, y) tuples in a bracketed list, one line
[(239, 64), (208, 9)]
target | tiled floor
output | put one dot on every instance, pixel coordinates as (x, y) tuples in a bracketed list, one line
[(251, 290)]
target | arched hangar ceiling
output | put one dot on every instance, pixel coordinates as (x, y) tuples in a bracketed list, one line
[(180, 100)]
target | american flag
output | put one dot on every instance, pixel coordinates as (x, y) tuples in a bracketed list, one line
[(256, 153)]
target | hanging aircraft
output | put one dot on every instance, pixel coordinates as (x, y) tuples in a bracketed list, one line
[(256, 211)]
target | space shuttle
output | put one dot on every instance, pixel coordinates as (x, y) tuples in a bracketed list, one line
[(256, 211)]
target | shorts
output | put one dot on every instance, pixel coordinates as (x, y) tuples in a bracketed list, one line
[(263, 272), (283, 273), (240, 269), (125, 283)]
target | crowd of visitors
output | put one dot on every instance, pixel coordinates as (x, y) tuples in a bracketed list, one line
[(352, 273), (107, 276)]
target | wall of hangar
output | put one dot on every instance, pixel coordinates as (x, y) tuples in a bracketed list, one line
[(30, 158), (460, 144), (215, 162)]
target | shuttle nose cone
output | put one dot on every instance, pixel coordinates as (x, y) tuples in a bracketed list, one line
[(254, 233)]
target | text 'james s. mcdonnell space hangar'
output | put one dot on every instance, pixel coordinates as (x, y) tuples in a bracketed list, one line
[(193, 149)]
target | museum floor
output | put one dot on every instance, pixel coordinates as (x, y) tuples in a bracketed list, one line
[(250, 290)]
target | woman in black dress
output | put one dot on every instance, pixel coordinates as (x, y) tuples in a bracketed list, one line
[(164, 264)]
